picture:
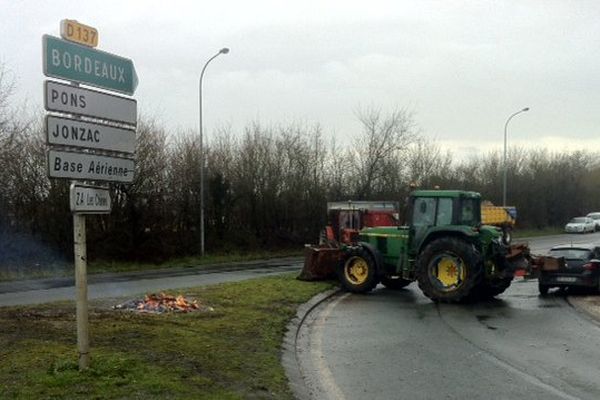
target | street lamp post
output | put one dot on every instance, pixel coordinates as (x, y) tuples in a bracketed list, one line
[(224, 50), (504, 159)]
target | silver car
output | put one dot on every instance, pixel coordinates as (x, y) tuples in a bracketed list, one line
[(580, 225), (596, 217)]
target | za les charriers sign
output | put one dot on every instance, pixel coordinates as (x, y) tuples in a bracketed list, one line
[(89, 199), (66, 60)]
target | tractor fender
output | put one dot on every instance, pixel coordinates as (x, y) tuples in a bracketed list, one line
[(376, 256), (461, 233)]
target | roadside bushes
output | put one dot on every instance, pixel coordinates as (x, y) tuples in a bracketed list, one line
[(265, 187)]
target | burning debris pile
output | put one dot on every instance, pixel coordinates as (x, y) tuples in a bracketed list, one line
[(161, 303)]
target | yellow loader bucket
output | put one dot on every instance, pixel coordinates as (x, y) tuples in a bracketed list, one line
[(319, 263)]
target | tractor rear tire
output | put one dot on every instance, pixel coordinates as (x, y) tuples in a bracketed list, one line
[(453, 260), (358, 271), (394, 284)]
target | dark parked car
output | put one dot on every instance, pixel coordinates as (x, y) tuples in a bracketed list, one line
[(582, 268)]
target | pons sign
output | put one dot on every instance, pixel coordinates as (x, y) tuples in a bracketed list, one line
[(89, 167), (67, 60), (71, 132), (65, 98), (89, 199)]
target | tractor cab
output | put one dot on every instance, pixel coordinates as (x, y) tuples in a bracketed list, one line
[(432, 211)]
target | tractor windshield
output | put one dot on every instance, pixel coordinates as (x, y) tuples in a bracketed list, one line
[(470, 213)]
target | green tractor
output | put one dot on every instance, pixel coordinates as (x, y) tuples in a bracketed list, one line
[(445, 248)]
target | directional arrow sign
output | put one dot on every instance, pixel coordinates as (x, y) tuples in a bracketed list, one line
[(66, 60), (90, 167), (86, 199), (90, 103), (77, 133)]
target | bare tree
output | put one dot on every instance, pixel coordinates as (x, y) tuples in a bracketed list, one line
[(380, 152)]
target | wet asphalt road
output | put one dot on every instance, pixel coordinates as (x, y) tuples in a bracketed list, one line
[(126, 284), (543, 244), (400, 345)]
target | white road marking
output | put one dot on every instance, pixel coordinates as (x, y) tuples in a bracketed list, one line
[(332, 390)]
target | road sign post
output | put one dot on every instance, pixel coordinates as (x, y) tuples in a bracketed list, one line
[(98, 126), (81, 301)]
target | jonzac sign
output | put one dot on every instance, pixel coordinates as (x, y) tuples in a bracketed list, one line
[(77, 133)]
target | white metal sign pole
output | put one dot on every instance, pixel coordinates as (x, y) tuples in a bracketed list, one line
[(83, 342), (81, 288)]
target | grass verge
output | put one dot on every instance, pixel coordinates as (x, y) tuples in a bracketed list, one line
[(526, 233), (230, 353), (16, 272)]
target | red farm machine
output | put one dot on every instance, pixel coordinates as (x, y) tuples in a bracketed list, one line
[(345, 219)]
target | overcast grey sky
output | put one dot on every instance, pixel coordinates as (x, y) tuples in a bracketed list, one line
[(462, 66)]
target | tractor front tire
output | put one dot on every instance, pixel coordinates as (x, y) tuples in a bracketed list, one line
[(449, 269), (394, 284), (507, 235), (358, 271)]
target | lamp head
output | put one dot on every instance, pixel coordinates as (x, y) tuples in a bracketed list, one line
[(525, 109), (224, 50)]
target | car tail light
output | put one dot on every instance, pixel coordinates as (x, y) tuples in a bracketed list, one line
[(590, 266)]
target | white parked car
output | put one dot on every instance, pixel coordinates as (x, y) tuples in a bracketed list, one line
[(580, 225), (596, 217)]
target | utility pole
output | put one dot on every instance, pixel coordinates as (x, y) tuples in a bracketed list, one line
[(224, 50)]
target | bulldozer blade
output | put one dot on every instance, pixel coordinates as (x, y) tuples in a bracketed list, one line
[(319, 263), (519, 259)]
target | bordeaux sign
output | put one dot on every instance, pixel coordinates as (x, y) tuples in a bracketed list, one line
[(90, 167), (90, 103), (66, 60), (77, 133)]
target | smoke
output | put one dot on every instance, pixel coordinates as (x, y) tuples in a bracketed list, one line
[(24, 256)]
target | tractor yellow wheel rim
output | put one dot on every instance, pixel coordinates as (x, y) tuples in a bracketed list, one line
[(356, 270), (448, 272)]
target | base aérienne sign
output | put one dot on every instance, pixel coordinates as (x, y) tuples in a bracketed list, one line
[(90, 167)]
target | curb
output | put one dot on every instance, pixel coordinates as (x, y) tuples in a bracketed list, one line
[(587, 310), (289, 358)]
